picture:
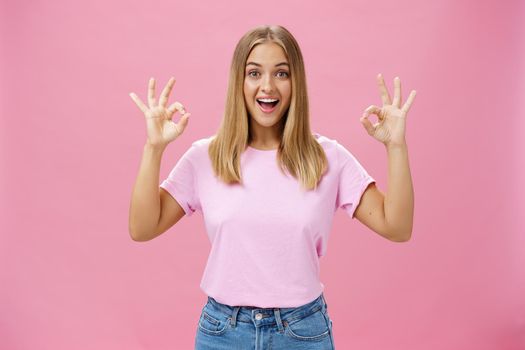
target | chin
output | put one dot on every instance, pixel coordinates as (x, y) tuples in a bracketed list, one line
[(266, 121)]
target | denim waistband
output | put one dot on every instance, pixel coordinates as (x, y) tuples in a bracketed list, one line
[(261, 316)]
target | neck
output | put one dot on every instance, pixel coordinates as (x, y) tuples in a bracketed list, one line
[(266, 138)]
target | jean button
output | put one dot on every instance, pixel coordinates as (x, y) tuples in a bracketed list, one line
[(258, 317)]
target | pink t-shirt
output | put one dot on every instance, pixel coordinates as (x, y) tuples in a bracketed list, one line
[(268, 235)]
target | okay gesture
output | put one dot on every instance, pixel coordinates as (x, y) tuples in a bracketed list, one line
[(390, 128)]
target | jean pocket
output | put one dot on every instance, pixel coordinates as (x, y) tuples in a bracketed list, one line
[(312, 327), (212, 322)]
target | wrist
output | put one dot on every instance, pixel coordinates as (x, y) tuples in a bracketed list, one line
[(394, 146), (156, 148)]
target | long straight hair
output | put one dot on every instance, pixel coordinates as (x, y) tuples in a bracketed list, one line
[(299, 153)]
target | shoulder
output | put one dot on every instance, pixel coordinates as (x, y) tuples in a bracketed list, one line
[(197, 152), (340, 155), (329, 145), (202, 143), (333, 149)]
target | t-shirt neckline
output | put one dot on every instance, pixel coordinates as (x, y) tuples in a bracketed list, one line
[(263, 150), (274, 150)]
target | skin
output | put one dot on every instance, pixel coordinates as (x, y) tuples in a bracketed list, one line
[(152, 209), (391, 214), (161, 129), (267, 79)]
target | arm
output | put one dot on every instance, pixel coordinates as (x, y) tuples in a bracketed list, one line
[(391, 214), (399, 199), (144, 210), (152, 210)]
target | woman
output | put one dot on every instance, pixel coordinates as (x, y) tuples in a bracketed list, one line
[(268, 188)]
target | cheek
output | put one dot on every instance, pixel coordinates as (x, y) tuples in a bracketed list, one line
[(286, 89), (288, 93), (248, 90)]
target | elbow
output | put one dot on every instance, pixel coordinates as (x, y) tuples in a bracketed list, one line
[(404, 238), (132, 232), (399, 233), (143, 235), (136, 236), (401, 236)]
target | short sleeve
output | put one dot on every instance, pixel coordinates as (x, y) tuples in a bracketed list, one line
[(181, 181), (353, 181)]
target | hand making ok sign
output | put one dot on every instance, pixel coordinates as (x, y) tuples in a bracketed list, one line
[(390, 129), (160, 127)]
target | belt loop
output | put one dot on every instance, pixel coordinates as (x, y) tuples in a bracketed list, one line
[(323, 302), (277, 313), (234, 316)]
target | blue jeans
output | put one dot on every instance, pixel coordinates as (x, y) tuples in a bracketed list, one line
[(224, 327)]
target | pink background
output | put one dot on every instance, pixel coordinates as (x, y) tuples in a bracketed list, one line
[(71, 142)]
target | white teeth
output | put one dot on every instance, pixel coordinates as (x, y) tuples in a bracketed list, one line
[(267, 99)]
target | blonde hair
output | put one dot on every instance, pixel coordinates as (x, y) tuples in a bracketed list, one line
[(299, 153)]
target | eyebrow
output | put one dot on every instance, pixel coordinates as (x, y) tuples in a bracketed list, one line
[(277, 65)]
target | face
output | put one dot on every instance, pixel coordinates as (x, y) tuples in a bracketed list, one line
[(267, 77)]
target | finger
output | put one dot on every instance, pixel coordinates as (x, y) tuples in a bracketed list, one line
[(385, 96), (183, 122), (409, 101), (373, 109), (397, 92), (166, 92), (367, 124), (151, 93), (138, 102), (176, 106)]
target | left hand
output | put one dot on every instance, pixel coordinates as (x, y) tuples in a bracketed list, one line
[(390, 129)]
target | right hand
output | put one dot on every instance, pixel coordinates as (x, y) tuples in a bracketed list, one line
[(160, 128)]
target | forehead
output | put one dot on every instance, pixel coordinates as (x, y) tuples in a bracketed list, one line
[(267, 54)]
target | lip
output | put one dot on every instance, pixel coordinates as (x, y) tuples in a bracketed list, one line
[(269, 110), (272, 97)]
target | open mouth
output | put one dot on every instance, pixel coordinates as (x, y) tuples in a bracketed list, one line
[(267, 105)]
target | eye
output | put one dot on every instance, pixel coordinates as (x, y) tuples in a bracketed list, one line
[(253, 71), (286, 74)]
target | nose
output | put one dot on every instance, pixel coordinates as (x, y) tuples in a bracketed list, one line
[(267, 84)]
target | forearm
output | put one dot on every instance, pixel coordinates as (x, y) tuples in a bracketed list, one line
[(399, 198), (144, 208)]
